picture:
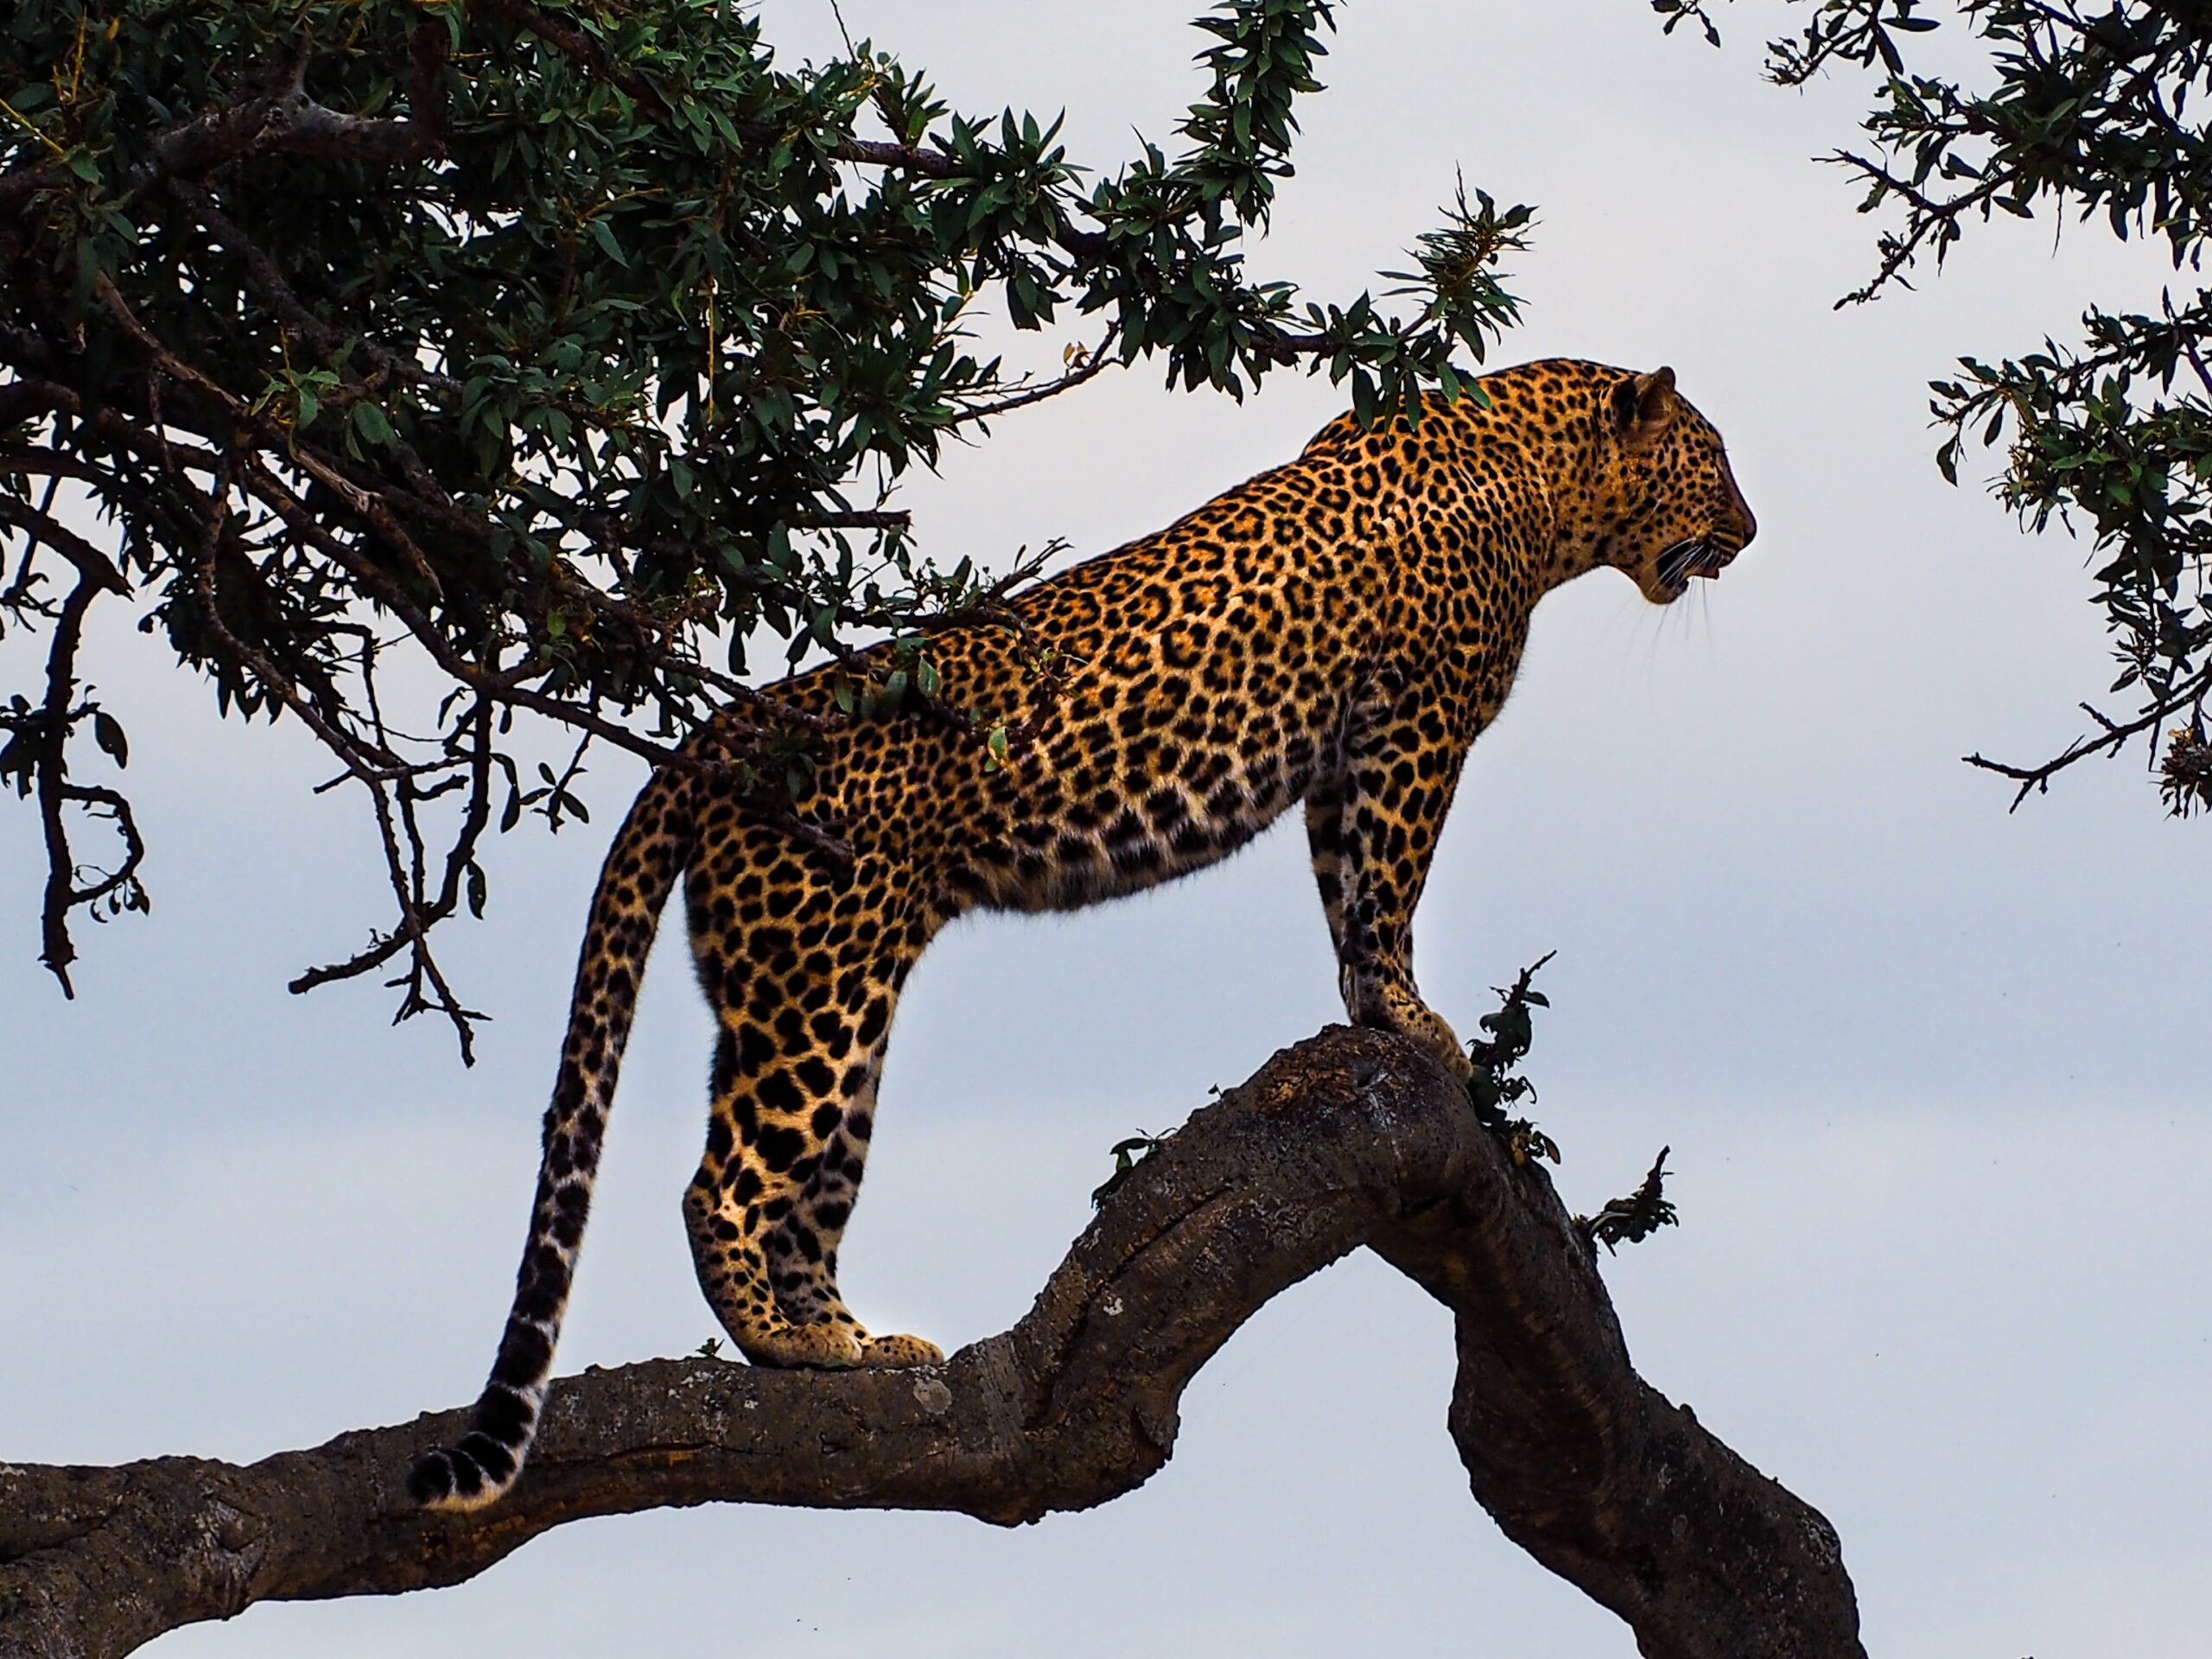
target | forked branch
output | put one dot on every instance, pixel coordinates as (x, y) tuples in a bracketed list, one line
[(1350, 1138), (2189, 696)]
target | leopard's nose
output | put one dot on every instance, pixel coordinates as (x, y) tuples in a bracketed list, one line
[(1747, 521)]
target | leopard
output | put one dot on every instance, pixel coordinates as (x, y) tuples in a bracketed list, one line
[(1331, 634)]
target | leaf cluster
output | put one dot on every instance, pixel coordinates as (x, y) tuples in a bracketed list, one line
[(2103, 433), (1127, 1153), (1634, 1218), (1493, 1086), (2096, 113)]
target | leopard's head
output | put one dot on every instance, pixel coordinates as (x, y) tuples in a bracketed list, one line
[(1667, 509)]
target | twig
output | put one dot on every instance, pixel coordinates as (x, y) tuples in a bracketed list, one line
[(2037, 780), (52, 773), (413, 926), (1089, 369), (867, 518)]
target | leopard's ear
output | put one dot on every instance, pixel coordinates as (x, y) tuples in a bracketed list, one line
[(1642, 405)]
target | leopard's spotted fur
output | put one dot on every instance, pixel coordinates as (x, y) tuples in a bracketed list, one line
[(1333, 633)]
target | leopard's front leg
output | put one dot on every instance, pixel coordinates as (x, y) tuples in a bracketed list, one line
[(1373, 830), (1325, 839)]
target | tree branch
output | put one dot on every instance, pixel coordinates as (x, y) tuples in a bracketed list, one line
[(58, 950), (855, 518), (371, 767), (289, 122), (1351, 1138), (2037, 780), (94, 568), (1096, 360)]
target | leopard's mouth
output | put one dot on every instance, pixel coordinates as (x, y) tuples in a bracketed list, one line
[(1704, 557)]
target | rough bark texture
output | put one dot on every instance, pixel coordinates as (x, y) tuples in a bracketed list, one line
[(1350, 1138)]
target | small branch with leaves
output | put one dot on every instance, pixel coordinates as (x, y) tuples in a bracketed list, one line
[(1634, 1218), (1493, 1086), (2182, 775)]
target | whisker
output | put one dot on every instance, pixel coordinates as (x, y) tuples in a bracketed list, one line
[(1675, 562)]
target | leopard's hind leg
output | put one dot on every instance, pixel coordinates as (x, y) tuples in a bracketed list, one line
[(804, 969)]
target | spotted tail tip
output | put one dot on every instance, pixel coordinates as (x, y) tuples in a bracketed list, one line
[(470, 1475)]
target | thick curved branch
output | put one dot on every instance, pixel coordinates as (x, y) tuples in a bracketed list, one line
[(1351, 1138), (97, 571)]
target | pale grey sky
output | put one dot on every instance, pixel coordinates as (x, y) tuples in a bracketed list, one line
[(1934, 1076)]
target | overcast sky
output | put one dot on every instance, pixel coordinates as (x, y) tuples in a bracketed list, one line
[(1935, 1076)]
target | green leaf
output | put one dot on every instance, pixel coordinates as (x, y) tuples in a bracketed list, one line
[(107, 732), (603, 233), (371, 423)]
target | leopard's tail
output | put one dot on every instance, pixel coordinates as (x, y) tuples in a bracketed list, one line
[(649, 854)]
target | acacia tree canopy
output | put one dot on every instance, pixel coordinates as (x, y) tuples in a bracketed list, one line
[(545, 354), (558, 349)]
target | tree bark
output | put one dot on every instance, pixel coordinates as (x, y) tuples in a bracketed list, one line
[(1352, 1138)]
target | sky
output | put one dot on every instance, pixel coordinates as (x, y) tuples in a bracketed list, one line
[(1933, 1074)]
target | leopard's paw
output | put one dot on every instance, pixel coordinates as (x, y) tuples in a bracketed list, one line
[(1434, 1032), (821, 1346), (896, 1353)]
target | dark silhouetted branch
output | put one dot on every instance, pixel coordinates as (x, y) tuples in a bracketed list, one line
[(1092, 362), (856, 519), (2031, 779), (1350, 1138)]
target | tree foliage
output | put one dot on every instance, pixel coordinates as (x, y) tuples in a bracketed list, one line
[(2097, 112), (549, 354)]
